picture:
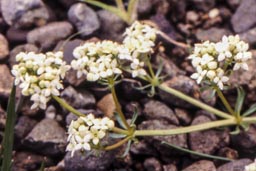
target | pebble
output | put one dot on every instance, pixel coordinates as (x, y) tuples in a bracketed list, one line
[(84, 18), (152, 164), (235, 165), (158, 110), (24, 13), (107, 105), (213, 34), (17, 35), (5, 86), (249, 36), (47, 137), (202, 165), (244, 17), (183, 84), (107, 21), (4, 47), (47, 36), (24, 126)]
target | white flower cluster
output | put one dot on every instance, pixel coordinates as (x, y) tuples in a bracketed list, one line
[(139, 40), (251, 167), (96, 60), (39, 75), (86, 132), (212, 61)]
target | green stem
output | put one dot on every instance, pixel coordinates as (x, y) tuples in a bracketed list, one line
[(118, 144), (225, 102), (120, 5), (249, 120), (120, 131), (188, 129), (131, 12), (67, 106), (194, 101), (118, 106)]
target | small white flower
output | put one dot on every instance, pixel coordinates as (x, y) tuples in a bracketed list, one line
[(251, 167)]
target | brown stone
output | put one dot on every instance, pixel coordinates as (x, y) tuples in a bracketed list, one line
[(107, 105), (5, 81), (4, 48)]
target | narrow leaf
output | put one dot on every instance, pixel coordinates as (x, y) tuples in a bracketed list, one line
[(9, 132), (116, 136), (134, 116), (127, 148), (251, 110), (239, 100), (119, 120), (196, 153), (236, 131)]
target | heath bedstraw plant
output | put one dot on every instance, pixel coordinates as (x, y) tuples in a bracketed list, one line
[(105, 62)]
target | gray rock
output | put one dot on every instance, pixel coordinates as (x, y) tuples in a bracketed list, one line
[(24, 13), (144, 7), (17, 35), (112, 27), (208, 141), (5, 86), (213, 34), (155, 141), (184, 84), (84, 18), (244, 17), (204, 5), (228, 153), (152, 164), (249, 36), (27, 161), (208, 97), (21, 48), (235, 165), (47, 138), (4, 47), (183, 116), (143, 148), (202, 165), (47, 36), (170, 167), (79, 99), (24, 126), (82, 162), (158, 110)]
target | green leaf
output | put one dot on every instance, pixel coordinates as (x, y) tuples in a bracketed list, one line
[(9, 132), (250, 111), (112, 9), (236, 131), (134, 116), (239, 100), (42, 166), (116, 136), (127, 148), (196, 153), (119, 120)]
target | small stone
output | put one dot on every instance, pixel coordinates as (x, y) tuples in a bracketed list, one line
[(249, 36), (213, 34), (183, 116), (4, 47), (107, 105), (84, 18), (244, 17), (142, 148), (79, 99), (6, 81), (205, 5), (228, 153), (202, 165), (235, 165), (152, 164), (24, 13), (155, 141), (47, 138), (24, 126), (17, 35), (208, 97), (208, 141), (144, 7), (112, 26), (50, 112), (181, 83), (131, 107), (26, 161), (85, 162), (21, 48), (170, 167), (158, 110), (47, 36), (192, 17)]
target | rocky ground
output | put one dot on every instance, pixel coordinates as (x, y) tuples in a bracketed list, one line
[(40, 136)]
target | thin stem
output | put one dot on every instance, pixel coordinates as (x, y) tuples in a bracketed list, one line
[(67, 106), (118, 106), (225, 102), (249, 120), (131, 12), (120, 131), (188, 129), (118, 144), (194, 101), (166, 37), (120, 5)]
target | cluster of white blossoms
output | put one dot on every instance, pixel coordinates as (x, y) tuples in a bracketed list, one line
[(86, 132), (251, 167), (213, 61), (96, 60), (138, 42), (40, 75)]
